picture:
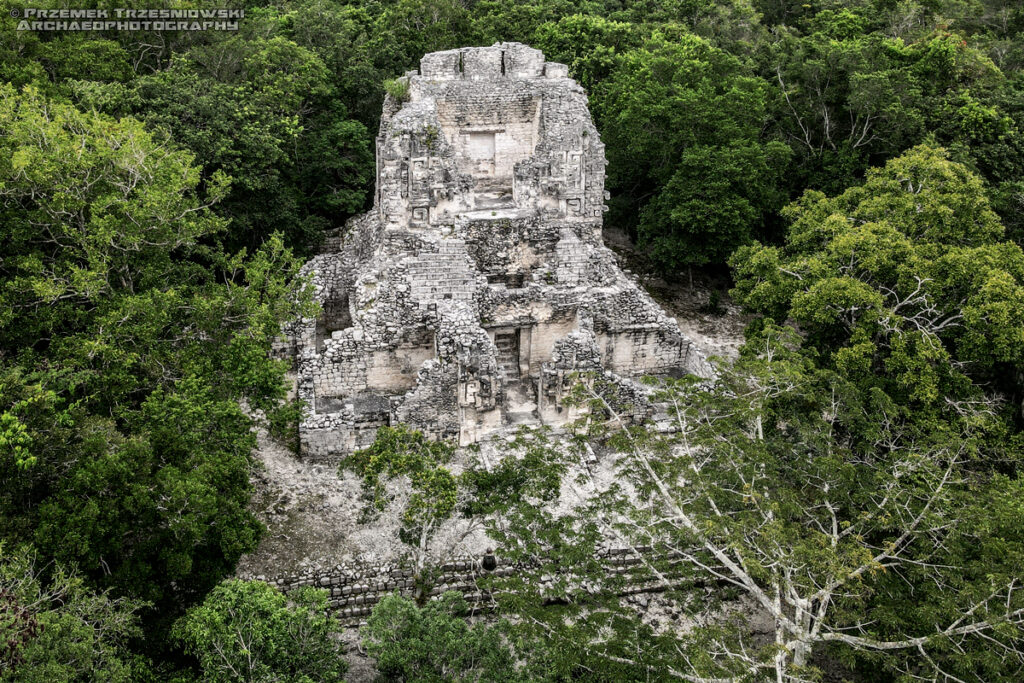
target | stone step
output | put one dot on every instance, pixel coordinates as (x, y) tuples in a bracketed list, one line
[(507, 356)]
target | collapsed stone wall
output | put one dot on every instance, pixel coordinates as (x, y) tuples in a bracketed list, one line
[(354, 589), (478, 287)]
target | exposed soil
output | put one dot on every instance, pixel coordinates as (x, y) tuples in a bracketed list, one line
[(315, 518)]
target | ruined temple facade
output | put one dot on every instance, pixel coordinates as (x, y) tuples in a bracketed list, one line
[(478, 285)]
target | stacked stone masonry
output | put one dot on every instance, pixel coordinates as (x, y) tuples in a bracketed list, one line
[(354, 589), (478, 286)]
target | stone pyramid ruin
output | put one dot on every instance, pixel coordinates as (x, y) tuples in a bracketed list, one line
[(478, 286)]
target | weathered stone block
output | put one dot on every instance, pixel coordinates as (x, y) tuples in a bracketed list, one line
[(482, 63), (556, 70), (441, 65)]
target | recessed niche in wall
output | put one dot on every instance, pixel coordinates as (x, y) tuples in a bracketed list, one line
[(335, 316), (507, 344), (394, 371), (491, 133), (480, 148), (510, 280)]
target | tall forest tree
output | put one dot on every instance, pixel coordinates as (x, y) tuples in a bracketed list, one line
[(127, 341), (682, 122)]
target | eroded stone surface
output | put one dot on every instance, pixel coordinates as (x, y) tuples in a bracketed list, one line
[(478, 285)]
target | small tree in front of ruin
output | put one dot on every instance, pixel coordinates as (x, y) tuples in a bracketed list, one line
[(435, 643), (249, 631), (527, 473), (404, 452)]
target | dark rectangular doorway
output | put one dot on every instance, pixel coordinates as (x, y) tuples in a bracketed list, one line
[(507, 343)]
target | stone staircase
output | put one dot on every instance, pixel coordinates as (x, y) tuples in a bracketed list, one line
[(354, 589), (444, 274), (507, 356)]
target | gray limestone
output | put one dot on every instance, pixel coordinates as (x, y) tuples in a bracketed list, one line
[(478, 287)]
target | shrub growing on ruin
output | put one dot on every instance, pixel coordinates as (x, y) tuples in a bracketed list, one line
[(398, 88)]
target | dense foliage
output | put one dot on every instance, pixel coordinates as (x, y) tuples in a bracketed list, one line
[(54, 628), (905, 282), (858, 164), (128, 338), (716, 112), (248, 631), (434, 643)]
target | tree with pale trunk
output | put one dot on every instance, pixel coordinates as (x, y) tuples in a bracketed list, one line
[(795, 520)]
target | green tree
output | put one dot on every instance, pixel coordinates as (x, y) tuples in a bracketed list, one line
[(498, 20), (433, 489), (52, 61), (249, 631), (434, 643), (54, 628), (903, 283), (264, 112), (588, 44), (851, 95), (408, 29), (682, 121), (127, 344), (783, 494), (343, 36)]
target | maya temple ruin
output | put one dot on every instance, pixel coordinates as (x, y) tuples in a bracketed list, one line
[(478, 289)]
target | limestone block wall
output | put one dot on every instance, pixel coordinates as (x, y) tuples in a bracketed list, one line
[(491, 128), (574, 355), (356, 588), (545, 337), (513, 60), (443, 275), (496, 127), (504, 248), (326, 437), (572, 258), (395, 371), (429, 405)]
